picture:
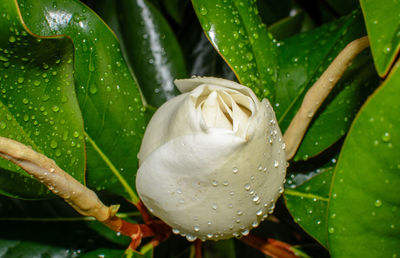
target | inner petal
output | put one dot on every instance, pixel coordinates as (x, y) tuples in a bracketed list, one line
[(213, 115)]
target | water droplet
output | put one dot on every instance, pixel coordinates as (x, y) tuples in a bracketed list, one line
[(386, 137), (181, 201), (245, 232), (55, 108), (235, 170), (203, 11), (214, 183), (260, 168), (247, 187), (12, 39), (331, 230), (93, 89), (225, 183), (259, 212), (256, 198), (276, 163), (53, 144), (20, 79), (196, 228), (239, 212), (190, 238), (378, 203), (249, 56), (175, 231), (214, 206)]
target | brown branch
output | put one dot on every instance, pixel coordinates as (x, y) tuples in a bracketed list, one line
[(318, 93), (268, 246), (81, 198)]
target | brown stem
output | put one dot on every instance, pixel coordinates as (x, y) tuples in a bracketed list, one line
[(143, 211), (268, 246), (318, 93), (198, 248), (81, 198)]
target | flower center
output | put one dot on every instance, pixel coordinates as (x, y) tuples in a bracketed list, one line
[(228, 109)]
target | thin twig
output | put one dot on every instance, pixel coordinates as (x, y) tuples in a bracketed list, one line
[(268, 246), (81, 198), (318, 93)]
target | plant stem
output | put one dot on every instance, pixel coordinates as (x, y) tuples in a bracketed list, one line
[(316, 95), (81, 198)]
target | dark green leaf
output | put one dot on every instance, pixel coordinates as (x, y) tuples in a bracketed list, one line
[(288, 26), (238, 34), (364, 201), (38, 105), (383, 26), (104, 253), (219, 249), (343, 7), (302, 59), (153, 50), (108, 95), (176, 8), (308, 204), (109, 234), (25, 249), (334, 117), (271, 11)]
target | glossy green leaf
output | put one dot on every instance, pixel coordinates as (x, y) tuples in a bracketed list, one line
[(238, 34), (152, 48), (176, 8), (108, 96), (109, 234), (200, 56), (343, 7), (383, 26), (308, 204), (219, 249), (340, 109), (25, 249), (104, 253), (288, 26), (38, 106), (302, 60), (365, 204), (271, 11)]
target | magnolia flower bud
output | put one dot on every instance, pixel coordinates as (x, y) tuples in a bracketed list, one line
[(212, 162)]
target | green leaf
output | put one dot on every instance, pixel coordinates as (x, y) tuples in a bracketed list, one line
[(238, 34), (383, 26), (365, 204), (108, 96), (271, 11), (216, 249), (343, 7), (339, 110), (104, 253), (176, 9), (38, 105), (26, 249), (288, 26), (308, 204), (153, 50), (302, 60), (109, 234)]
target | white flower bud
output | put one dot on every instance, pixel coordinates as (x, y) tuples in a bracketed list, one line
[(212, 161)]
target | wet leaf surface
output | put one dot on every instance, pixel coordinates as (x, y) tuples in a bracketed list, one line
[(364, 202), (383, 31), (38, 105)]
